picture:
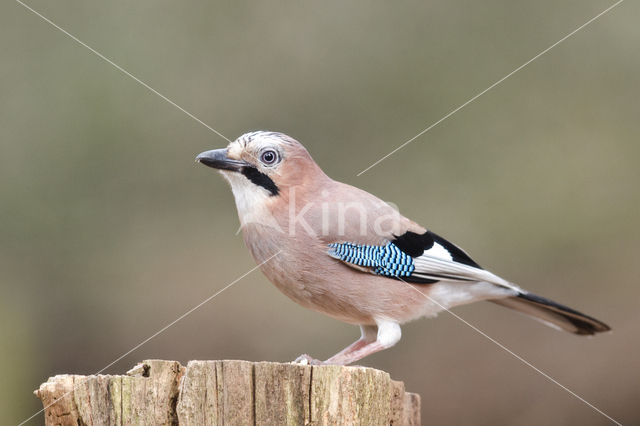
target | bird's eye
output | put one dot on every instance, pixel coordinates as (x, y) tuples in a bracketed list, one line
[(269, 157)]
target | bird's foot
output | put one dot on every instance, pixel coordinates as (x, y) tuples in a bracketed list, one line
[(305, 359)]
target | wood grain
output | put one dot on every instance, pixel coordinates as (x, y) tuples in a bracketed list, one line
[(230, 393)]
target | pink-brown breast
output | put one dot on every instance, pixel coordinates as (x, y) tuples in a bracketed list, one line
[(304, 271)]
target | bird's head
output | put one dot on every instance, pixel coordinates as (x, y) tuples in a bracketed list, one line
[(262, 167)]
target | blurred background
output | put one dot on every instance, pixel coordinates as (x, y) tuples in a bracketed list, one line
[(109, 231)]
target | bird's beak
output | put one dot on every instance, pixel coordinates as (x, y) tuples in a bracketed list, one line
[(217, 158)]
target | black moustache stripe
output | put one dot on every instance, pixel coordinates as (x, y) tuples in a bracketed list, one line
[(260, 179)]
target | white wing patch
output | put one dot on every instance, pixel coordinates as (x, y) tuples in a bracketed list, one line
[(439, 252)]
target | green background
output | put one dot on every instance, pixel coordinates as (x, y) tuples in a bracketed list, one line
[(109, 231)]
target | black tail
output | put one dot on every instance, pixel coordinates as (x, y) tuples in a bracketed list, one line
[(553, 314)]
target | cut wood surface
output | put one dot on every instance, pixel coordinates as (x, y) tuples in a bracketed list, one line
[(159, 392)]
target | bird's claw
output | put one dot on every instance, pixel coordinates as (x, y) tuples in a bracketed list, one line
[(305, 359)]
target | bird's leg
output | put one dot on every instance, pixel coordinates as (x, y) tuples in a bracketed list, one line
[(387, 334), (367, 335)]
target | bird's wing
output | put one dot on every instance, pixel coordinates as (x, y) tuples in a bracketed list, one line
[(415, 258)]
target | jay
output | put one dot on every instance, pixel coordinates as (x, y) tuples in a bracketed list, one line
[(341, 251)]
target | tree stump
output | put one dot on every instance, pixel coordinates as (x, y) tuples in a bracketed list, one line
[(159, 392)]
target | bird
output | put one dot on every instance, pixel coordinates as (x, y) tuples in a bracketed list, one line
[(342, 251)]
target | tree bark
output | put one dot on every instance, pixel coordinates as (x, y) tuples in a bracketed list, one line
[(230, 393)]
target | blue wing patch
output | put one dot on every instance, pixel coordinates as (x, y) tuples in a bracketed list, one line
[(387, 260)]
